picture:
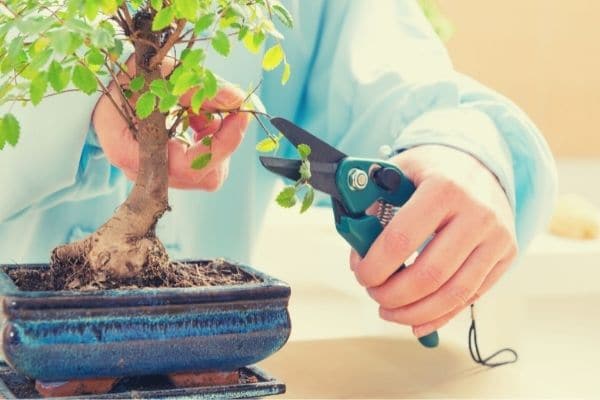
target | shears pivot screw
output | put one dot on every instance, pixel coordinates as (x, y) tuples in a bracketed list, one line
[(357, 179)]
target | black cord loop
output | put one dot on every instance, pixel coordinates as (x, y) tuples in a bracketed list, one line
[(474, 348)]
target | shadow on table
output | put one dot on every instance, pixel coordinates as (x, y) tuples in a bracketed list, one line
[(372, 368)]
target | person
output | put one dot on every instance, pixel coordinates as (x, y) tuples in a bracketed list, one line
[(365, 74)]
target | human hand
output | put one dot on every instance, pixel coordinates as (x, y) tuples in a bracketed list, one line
[(121, 148), (460, 202)]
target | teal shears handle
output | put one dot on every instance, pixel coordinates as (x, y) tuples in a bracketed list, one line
[(359, 229)]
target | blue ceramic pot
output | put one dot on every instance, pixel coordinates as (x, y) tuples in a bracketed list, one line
[(55, 336)]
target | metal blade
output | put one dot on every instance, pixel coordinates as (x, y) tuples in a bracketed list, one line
[(322, 174), (320, 151), (287, 168)]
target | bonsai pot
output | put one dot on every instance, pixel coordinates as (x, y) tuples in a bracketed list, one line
[(69, 335)]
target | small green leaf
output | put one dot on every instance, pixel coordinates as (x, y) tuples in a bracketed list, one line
[(210, 85), (207, 141), (202, 161), (10, 129), (253, 41), (145, 105), (273, 57), (287, 197), (167, 102), (197, 100), (38, 88), (58, 76), (287, 71), (304, 151), (95, 57), (84, 79), (163, 18), (137, 83), (187, 9), (267, 145), (204, 23), (160, 87), (283, 14), (309, 198), (220, 43)]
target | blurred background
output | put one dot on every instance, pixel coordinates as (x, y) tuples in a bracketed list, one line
[(545, 56)]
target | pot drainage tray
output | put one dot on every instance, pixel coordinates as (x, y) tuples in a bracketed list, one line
[(253, 383)]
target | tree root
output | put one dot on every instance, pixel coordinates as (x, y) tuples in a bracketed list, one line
[(98, 263)]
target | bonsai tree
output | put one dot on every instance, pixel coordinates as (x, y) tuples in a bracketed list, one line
[(49, 47)]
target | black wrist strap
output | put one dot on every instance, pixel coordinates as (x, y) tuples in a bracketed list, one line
[(476, 355)]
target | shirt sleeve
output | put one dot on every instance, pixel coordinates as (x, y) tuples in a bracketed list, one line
[(382, 77), (57, 159)]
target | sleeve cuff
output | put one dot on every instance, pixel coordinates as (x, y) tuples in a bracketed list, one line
[(468, 130)]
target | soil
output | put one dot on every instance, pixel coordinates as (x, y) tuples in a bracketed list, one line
[(175, 275), (24, 388)]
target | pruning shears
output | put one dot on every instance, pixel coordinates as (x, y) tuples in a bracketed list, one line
[(354, 184)]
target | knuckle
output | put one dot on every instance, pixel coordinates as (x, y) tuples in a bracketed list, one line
[(396, 241), (428, 277), (460, 294)]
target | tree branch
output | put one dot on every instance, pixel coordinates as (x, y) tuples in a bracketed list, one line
[(164, 50)]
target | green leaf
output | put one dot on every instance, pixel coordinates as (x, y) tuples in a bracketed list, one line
[(197, 100), (160, 87), (187, 9), (58, 76), (220, 43), (167, 102), (38, 88), (203, 23), (186, 81), (309, 198), (210, 85), (163, 18), (207, 141), (91, 9), (273, 57), (267, 145), (10, 129), (95, 57), (287, 197), (305, 173), (145, 105), (192, 58), (253, 41), (137, 83), (287, 71), (283, 15), (304, 151), (84, 79), (202, 161)]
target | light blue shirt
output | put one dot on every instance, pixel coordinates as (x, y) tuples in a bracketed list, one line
[(365, 74)]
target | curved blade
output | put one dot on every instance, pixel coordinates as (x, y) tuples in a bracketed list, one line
[(322, 174), (320, 151)]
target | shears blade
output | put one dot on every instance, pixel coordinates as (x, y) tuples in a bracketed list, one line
[(320, 151), (322, 173)]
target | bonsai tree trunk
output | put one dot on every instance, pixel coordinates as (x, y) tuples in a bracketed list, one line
[(126, 244)]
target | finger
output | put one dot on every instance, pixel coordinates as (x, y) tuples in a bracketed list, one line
[(227, 139), (490, 280), (455, 293), (440, 259), (418, 219), (354, 259), (204, 124)]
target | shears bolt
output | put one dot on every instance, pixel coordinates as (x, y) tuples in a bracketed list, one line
[(357, 179)]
